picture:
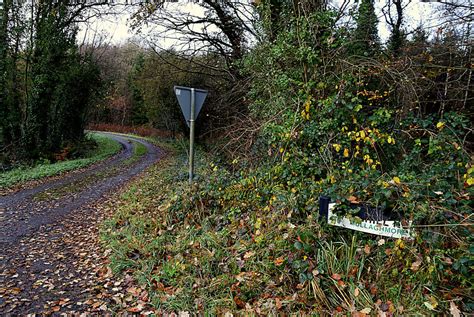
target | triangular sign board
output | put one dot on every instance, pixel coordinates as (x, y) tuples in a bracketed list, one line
[(184, 99)]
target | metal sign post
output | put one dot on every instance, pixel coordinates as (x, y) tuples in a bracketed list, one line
[(191, 136), (190, 100)]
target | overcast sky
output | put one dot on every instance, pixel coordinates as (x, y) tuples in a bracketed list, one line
[(116, 30)]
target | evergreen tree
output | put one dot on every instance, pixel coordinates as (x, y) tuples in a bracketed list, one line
[(365, 40), (138, 115), (62, 83), (10, 33), (3, 67)]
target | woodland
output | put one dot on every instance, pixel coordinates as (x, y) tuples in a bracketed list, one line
[(345, 99)]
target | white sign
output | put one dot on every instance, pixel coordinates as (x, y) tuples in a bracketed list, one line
[(386, 228)]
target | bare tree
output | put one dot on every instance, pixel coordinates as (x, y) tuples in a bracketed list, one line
[(393, 12), (225, 28)]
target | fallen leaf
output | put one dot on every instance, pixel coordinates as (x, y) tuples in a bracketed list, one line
[(278, 303), (279, 261), (249, 254), (416, 265), (135, 309), (448, 261), (134, 291), (432, 304), (16, 290), (356, 292), (367, 249), (336, 276), (373, 290), (240, 277), (454, 310), (240, 303), (366, 310)]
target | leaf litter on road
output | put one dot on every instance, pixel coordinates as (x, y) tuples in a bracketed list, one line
[(64, 268)]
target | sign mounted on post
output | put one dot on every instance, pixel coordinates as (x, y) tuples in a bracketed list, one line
[(184, 99), (368, 222), (190, 100)]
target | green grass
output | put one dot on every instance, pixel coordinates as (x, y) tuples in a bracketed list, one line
[(55, 193), (138, 151), (106, 147)]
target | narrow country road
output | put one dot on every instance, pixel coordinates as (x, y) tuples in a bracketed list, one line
[(50, 256)]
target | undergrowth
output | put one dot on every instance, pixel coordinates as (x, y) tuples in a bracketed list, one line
[(222, 246)]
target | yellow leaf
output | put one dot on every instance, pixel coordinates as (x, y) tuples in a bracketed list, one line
[(440, 125), (362, 134), (399, 243), (432, 304), (470, 181), (396, 180), (429, 306), (433, 301), (346, 153)]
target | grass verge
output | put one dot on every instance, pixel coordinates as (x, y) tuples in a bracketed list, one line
[(139, 150), (106, 147)]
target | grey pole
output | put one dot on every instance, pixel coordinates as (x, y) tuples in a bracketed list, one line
[(191, 136)]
